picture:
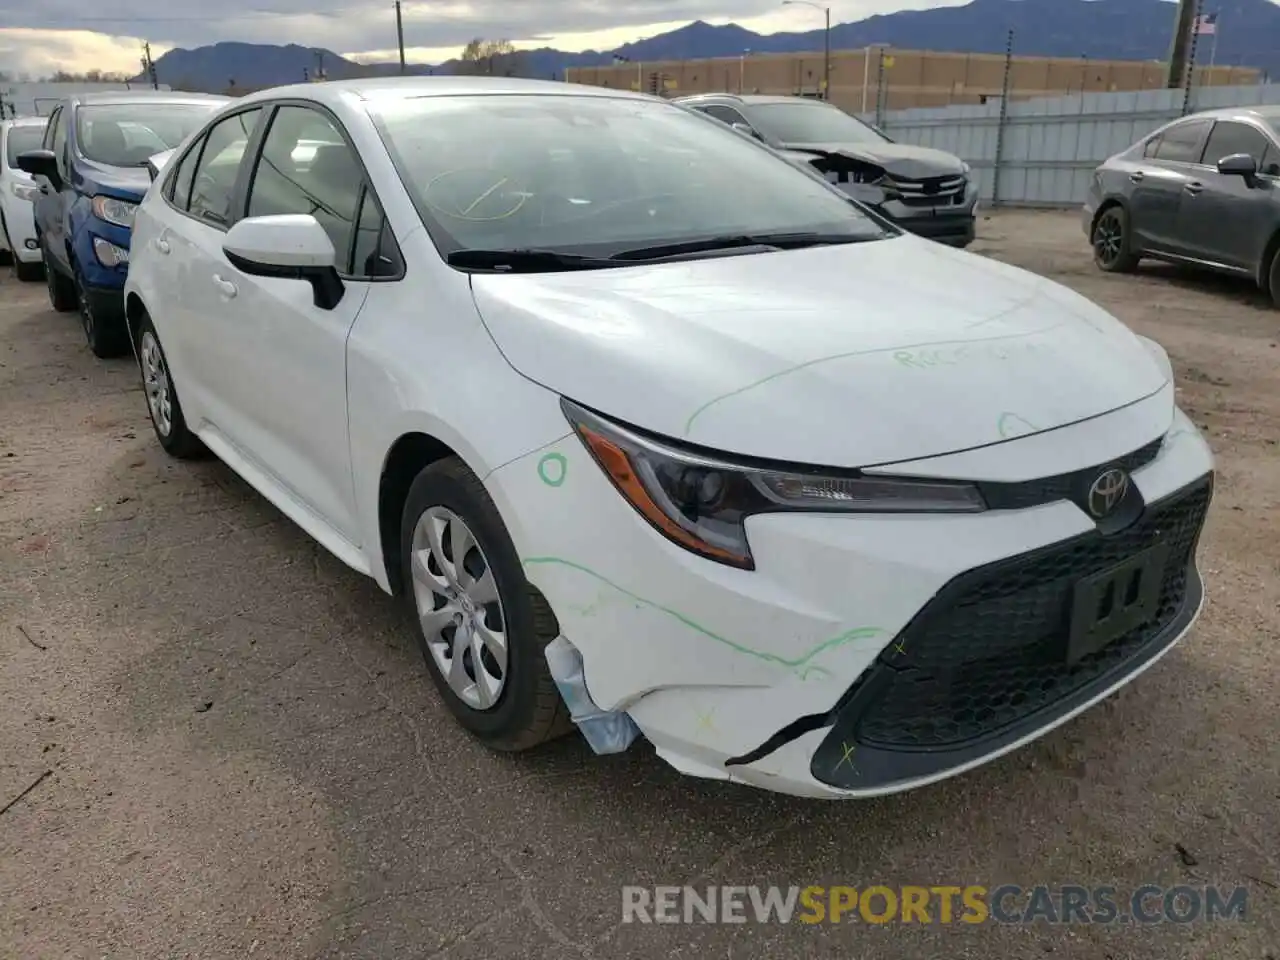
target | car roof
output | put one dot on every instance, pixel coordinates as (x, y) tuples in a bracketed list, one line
[(1266, 114), (748, 99), (409, 88), (130, 97)]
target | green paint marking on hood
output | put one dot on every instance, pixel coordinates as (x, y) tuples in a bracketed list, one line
[(832, 643)]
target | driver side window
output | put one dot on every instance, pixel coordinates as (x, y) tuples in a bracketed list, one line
[(214, 182)]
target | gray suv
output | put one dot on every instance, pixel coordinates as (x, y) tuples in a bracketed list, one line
[(1202, 190), (925, 191)]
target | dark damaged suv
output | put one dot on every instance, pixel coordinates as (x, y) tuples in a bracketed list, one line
[(925, 191)]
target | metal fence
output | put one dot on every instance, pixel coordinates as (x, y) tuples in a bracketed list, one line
[(1042, 152)]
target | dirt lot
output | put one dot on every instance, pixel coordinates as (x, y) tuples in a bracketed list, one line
[(245, 757)]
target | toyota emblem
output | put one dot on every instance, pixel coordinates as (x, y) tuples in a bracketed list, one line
[(1108, 490)]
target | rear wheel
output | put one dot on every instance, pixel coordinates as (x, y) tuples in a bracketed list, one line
[(162, 399), (482, 628), (1111, 241)]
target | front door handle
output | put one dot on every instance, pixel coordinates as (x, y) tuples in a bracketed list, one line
[(1194, 188), (161, 245), (1137, 176), (225, 287)]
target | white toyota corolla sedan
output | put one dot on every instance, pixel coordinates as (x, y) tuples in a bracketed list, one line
[(664, 436)]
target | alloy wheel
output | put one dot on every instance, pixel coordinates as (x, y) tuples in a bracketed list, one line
[(155, 380), (456, 597), (1108, 239)]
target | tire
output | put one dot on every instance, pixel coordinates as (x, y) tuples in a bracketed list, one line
[(107, 336), (1112, 241), (163, 406), (62, 292), (525, 709), (6, 258), (1273, 279), (28, 272)]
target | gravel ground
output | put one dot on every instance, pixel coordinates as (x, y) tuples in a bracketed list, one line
[(244, 757)]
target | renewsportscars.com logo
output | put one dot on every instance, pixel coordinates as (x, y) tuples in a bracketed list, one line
[(1007, 903)]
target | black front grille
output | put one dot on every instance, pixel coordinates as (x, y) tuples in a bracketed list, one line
[(1063, 486), (991, 649)]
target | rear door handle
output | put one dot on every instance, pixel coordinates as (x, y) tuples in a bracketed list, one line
[(1137, 176), (1194, 188), (225, 287), (161, 245)]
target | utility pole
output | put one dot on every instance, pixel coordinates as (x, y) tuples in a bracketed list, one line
[(400, 36), (1183, 27), (149, 66), (320, 65), (826, 58), (1191, 61)]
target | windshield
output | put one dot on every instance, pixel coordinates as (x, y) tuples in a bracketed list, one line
[(21, 139), (126, 134), (596, 176), (808, 122)]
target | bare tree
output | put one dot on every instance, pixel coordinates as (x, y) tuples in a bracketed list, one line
[(497, 58)]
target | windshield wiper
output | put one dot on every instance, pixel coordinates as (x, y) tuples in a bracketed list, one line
[(766, 241), (525, 261)]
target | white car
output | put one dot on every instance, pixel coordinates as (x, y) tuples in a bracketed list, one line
[(703, 452), (18, 190)]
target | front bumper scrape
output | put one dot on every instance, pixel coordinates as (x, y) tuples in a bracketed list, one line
[(606, 731)]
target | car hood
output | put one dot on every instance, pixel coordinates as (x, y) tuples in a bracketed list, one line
[(896, 158), (126, 183), (848, 356)]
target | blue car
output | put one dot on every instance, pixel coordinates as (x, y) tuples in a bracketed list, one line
[(92, 168)]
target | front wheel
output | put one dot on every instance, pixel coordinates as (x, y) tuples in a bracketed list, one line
[(105, 333), (1111, 242), (167, 421), (62, 292), (28, 272), (1273, 279), (481, 626)]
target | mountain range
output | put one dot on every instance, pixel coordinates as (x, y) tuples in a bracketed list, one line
[(1249, 35)]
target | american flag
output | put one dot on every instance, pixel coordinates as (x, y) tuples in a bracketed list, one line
[(1207, 25)]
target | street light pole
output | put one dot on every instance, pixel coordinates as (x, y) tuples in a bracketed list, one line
[(826, 43)]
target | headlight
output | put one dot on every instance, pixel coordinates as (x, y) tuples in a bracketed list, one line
[(25, 191), (108, 254), (702, 502), (119, 212)]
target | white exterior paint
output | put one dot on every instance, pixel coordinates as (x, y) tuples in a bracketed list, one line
[(709, 660)]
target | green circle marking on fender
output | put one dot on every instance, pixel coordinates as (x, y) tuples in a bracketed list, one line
[(552, 469)]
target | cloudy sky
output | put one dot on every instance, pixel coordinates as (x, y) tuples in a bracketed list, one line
[(47, 35)]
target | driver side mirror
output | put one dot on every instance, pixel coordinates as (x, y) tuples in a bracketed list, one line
[(157, 162), (287, 247), (41, 164), (745, 130), (1239, 165)]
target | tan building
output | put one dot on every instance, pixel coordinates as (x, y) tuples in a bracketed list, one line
[(901, 78)]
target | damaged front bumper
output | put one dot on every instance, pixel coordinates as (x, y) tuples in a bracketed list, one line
[(864, 655)]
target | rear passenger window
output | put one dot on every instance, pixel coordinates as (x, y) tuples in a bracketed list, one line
[(306, 167), (1181, 142), (178, 189), (214, 184)]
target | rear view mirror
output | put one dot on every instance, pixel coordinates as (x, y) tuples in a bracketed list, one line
[(287, 247), (1239, 165), (41, 163)]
